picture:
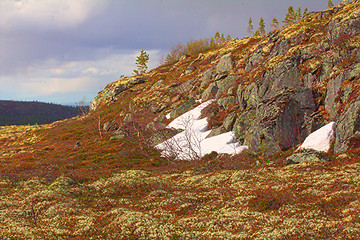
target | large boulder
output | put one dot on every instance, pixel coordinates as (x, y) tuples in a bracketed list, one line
[(277, 124), (225, 64)]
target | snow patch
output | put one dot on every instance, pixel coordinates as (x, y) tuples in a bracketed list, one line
[(192, 142), (321, 139)]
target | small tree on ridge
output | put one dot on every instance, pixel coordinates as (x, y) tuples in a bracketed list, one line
[(141, 63), (250, 28)]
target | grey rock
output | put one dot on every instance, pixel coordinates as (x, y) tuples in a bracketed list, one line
[(277, 124), (225, 64), (207, 78), (155, 126), (210, 92), (162, 135), (225, 84), (110, 126), (186, 87), (305, 98), (156, 107), (111, 93), (249, 97), (229, 121), (134, 81), (157, 84), (77, 144), (160, 117), (244, 125), (216, 131), (226, 102), (305, 156), (284, 76), (348, 125), (183, 108), (332, 90)]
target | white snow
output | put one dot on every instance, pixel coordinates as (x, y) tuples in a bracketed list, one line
[(192, 142), (321, 139)]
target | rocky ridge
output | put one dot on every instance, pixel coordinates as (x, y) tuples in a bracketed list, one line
[(272, 90)]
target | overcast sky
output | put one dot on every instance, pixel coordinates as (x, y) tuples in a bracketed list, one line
[(62, 51)]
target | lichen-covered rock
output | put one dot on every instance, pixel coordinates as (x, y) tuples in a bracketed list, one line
[(207, 77), (277, 124), (283, 77), (348, 126), (229, 121), (305, 156), (113, 90), (249, 97), (183, 108), (225, 84), (210, 92), (225, 64), (226, 101), (333, 88)]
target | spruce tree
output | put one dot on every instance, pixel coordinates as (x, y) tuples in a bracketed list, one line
[(330, 4), (290, 16), (262, 27), (298, 15), (222, 38), (275, 24), (250, 28), (305, 12), (141, 62), (217, 37)]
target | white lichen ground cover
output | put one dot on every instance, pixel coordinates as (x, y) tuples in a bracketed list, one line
[(305, 201)]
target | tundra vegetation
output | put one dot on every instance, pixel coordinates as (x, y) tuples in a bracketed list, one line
[(272, 90)]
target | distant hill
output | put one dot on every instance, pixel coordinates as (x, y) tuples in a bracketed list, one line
[(23, 113)]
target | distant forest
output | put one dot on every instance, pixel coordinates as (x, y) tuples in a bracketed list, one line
[(24, 113)]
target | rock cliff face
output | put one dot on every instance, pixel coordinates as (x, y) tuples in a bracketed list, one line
[(272, 90)]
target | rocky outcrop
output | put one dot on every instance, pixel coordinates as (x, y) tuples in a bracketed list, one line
[(272, 90), (111, 91)]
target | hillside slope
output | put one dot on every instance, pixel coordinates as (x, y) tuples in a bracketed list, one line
[(271, 91), (99, 176)]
